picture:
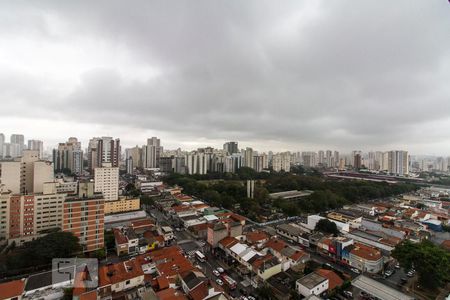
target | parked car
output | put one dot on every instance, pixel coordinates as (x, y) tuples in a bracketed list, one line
[(410, 274), (355, 270), (388, 273), (251, 298), (220, 270), (348, 294), (219, 282), (216, 273), (397, 266)]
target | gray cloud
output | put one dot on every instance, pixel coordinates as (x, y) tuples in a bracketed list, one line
[(343, 75)]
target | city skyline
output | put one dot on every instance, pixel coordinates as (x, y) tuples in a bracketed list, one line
[(303, 75)]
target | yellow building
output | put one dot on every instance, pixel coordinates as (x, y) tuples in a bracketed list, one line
[(122, 205)]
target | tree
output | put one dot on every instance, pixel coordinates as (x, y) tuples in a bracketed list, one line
[(41, 251), (431, 262), (326, 226), (99, 254)]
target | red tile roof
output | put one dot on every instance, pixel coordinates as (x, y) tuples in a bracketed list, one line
[(256, 236), (119, 272), (276, 244), (199, 292), (142, 223), (228, 242), (12, 289), (163, 282), (170, 294), (366, 252), (170, 261), (298, 255), (92, 295), (120, 237), (333, 279)]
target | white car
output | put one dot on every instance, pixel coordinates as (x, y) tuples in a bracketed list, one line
[(219, 282), (348, 294), (220, 270), (354, 270), (215, 272)]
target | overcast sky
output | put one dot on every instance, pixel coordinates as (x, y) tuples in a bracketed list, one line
[(280, 75)]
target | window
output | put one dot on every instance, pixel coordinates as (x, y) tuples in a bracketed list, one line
[(127, 282)]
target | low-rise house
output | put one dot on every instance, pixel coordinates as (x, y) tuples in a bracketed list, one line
[(294, 232), (256, 238), (126, 241), (334, 281), (311, 284), (166, 232), (266, 266), (200, 231), (288, 255), (118, 277)]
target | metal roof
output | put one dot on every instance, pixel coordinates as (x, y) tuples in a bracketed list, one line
[(378, 289)]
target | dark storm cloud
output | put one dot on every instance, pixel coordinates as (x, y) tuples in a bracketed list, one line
[(347, 74)]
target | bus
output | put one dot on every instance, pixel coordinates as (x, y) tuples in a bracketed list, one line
[(200, 256), (230, 282)]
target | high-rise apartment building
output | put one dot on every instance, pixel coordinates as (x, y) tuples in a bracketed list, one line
[(36, 145), (309, 159), (231, 147), (2, 142), (106, 181), (281, 162), (152, 152), (26, 174), (84, 217), (398, 162), (321, 156), (337, 160), (17, 142), (103, 150), (133, 159), (69, 156), (357, 161), (248, 157), (329, 159), (26, 217)]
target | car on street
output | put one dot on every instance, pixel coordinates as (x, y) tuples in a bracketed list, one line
[(397, 266), (216, 273), (348, 294), (219, 282), (251, 298), (355, 270), (220, 270), (410, 274), (388, 273)]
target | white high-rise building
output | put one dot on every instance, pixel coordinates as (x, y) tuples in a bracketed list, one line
[(106, 181), (281, 162), (248, 157), (398, 162), (36, 145), (152, 152), (17, 144), (321, 157), (337, 160)]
